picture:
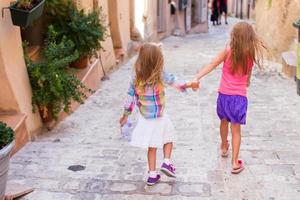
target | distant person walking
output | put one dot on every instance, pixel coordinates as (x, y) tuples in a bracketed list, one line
[(223, 7), (215, 12)]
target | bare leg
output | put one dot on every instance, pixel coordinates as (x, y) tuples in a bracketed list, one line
[(168, 150), (152, 158), (236, 143), (224, 134)]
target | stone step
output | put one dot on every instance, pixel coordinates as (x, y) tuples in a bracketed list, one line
[(17, 122), (16, 191), (34, 52), (289, 63)]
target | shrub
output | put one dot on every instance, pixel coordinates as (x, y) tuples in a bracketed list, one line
[(87, 31), (54, 86), (6, 135)]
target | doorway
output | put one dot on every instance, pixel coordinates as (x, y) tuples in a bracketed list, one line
[(199, 12)]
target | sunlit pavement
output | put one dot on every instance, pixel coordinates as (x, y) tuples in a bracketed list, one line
[(111, 169)]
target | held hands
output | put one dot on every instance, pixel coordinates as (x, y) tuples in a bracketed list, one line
[(194, 85)]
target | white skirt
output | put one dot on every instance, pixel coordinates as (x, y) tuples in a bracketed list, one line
[(153, 132)]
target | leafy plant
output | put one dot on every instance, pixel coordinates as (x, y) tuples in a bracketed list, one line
[(54, 87), (6, 135), (27, 4), (85, 30), (60, 54), (58, 10)]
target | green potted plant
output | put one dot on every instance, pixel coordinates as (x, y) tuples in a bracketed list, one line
[(54, 86), (25, 12), (87, 31), (6, 146)]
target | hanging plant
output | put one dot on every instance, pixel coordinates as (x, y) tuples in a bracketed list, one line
[(25, 12)]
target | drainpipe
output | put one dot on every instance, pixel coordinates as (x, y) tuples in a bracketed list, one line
[(297, 25), (236, 8), (241, 14), (248, 9)]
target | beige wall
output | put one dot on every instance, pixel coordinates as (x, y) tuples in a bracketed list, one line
[(14, 66), (275, 24), (144, 18), (232, 4), (7, 98), (170, 21), (107, 56), (119, 18)]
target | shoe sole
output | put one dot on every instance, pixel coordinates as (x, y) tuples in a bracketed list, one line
[(237, 171), (151, 184), (168, 173)]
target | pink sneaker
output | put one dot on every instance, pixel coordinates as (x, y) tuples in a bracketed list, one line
[(152, 181), (168, 170)]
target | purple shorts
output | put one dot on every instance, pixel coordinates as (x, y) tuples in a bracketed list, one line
[(233, 108)]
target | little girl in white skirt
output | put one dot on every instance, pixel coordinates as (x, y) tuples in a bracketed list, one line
[(154, 128)]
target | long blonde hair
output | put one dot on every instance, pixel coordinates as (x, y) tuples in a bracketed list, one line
[(245, 45), (149, 66)]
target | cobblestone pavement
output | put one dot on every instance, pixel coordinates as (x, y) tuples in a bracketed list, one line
[(114, 170)]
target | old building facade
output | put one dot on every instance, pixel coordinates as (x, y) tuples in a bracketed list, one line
[(130, 22)]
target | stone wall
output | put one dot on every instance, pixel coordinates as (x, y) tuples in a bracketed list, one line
[(274, 24)]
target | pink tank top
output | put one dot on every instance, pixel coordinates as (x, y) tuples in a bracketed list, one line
[(233, 84)]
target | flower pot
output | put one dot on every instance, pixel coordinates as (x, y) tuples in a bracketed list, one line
[(25, 18), (81, 63), (45, 114), (4, 165)]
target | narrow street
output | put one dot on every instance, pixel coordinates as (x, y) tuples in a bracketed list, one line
[(113, 170)]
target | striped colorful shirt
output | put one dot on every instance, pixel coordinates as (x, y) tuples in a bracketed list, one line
[(151, 100)]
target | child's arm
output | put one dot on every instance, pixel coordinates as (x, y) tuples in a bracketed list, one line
[(181, 86), (171, 80), (129, 104), (214, 63)]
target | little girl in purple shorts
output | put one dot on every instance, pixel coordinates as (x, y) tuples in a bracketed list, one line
[(244, 50)]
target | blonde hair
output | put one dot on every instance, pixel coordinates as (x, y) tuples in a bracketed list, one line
[(149, 66), (245, 45)]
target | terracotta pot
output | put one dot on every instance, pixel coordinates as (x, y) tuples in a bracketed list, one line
[(81, 63), (45, 114)]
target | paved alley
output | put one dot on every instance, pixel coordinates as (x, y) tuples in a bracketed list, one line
[(109, 169)]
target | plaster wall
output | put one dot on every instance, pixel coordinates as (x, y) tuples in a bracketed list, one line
[(274, 24), (14, 68)]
